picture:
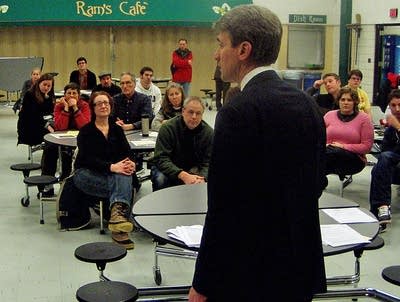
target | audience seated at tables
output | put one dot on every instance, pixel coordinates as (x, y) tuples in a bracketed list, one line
[(85, 78), (183, 148), (171, 105), (380, 191), (36, 117), (35, 75), (106, 84), (70, 113), (103, 167), (145, 85), (354, 81), (326, 102), (349, 135)]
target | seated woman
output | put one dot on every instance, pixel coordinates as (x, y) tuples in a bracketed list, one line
[(349, 135), (70, 113), (36, 119), (171, 105), (103, 167)]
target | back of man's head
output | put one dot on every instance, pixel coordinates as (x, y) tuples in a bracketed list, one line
[(257, 25)]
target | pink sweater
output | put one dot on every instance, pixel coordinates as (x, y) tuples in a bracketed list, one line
[(357, 135)]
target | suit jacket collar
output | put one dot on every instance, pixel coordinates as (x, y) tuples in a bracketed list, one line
[(252, 74)]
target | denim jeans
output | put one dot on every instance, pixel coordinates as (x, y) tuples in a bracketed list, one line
[(381, 180), (160, 180), (185, 87), (115, 187)]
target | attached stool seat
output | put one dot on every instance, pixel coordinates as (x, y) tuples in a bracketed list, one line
[(375, 244), (26, 169), (392, 274), (109, 291), (40, 181), (100, 253)]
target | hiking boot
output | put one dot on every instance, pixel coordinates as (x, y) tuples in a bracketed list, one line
[(123, 240), (384, 216), (118, 221)]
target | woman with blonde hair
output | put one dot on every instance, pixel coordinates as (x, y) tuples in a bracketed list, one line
[(171, 105)]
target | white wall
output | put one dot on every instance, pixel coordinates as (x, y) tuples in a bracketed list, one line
[(330, 8), (375, 12)]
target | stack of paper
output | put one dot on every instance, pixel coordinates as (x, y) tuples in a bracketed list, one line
[(341, 234), (144, 142), (189, 235)]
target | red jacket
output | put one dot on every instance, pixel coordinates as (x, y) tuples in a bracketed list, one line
[(64, 121), (183, 70)]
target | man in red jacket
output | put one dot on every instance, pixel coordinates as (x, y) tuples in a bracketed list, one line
[(181, 66)]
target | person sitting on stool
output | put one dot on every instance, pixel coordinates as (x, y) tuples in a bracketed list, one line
[(381, 175), (183, 148), (103, 167)]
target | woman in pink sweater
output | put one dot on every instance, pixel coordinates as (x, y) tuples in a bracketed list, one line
[(349, 135)]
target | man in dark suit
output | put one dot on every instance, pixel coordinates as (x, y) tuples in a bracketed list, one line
[(261, 240)]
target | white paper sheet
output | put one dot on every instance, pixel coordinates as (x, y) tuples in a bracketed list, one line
[(190, 235), (341, 234), (68, 134), (349, 215), (144, 142)]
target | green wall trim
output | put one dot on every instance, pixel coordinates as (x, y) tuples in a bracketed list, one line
[(344, 52), (114, 12)]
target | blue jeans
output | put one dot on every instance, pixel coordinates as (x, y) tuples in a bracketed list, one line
[(186, 88), (160, 180), (381, 180), (115, 187)]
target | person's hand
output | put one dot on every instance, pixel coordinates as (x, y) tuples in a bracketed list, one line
[(194, 296), (124, 126), (391, 120), (72, 102), (125, 167), (190, 62), (50, 129), (64, 102), (336, 144), (318, 83), (188, 178)]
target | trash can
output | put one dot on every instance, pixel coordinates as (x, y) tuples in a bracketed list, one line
[(310, 78), (294, 78)]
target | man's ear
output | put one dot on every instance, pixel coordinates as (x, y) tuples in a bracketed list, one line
[(245, 49)]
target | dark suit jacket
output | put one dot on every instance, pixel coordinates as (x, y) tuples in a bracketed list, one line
[(261, 239), (91, 79)]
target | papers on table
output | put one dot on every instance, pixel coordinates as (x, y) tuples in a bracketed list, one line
[(341, 234), (68, 134), (189, 235), (349, 215), (144, 142)]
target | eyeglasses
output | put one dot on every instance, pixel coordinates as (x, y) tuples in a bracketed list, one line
[(101, 103)]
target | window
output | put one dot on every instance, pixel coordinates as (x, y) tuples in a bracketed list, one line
[(306, 46)]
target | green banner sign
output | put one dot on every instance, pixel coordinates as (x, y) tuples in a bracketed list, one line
[(308, 19), (114, 12)]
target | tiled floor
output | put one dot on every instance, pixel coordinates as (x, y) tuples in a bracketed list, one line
[(37, 261)]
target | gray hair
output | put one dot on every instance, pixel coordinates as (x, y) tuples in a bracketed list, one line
[(194, 99), (129, 74), (257, 25)]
